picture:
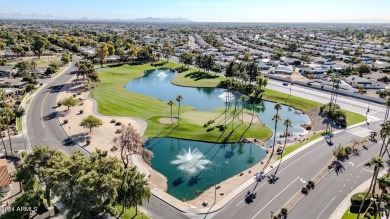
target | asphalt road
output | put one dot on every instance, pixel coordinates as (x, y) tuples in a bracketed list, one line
[(42, 124), (44, 128), (293, 175), (17, 144), (328, 194)]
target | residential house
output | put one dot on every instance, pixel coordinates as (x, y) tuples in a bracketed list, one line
[(5, 180)]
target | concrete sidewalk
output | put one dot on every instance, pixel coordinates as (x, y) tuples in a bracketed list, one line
[(346, 203)]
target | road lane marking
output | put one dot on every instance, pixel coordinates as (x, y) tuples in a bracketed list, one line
[(43, 125), (326, 207), (352, 164), (275, 197), (255, 191), (303, 181)]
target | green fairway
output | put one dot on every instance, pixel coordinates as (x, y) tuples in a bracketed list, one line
[(187, 79), (296, 102), (307, 105), (294, 147), (114, 100)]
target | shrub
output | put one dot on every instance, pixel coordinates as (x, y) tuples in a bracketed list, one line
[(348, 150), (74, 95), (78, 93), (113, 120), (304, 190), (88, 141), (81, 111), (59, 103), (357, 198), (284, 211), (66, 121), (311, 183), (118, 123), (118, 131)]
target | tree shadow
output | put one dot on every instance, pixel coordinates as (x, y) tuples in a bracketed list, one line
[(178, 181), (76, 139), (199, 75), (249, 197), (54, 115), (193, 180), (338, 167), (55, 88)]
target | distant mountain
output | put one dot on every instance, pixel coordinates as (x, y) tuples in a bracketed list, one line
[(162, 20), (30, 16), (51, 17)]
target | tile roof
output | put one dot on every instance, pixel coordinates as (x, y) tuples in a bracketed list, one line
[(4, 174)]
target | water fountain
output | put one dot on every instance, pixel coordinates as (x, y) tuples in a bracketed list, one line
[(162, 75), (227, 96), (190, 161)]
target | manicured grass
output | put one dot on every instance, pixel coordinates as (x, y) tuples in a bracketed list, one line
[(185, 79), (114, 100), (296, 102), (307, 105), (294, 147), (349, 215), (129, 213), (19, 124), (354, 118)]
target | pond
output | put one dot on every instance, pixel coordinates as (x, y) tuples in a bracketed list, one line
[(157, 83), (191, 167)]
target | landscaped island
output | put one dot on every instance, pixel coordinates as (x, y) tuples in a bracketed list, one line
[(204, 113)]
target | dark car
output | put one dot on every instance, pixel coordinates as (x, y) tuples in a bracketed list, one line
[(285, 84)]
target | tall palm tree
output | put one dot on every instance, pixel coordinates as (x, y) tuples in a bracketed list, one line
[(2, 141), (384, 183), (377, 163), (384, 133), (179, 99), (243, 99), (387, 103), (171, 103), (286, 123), (275, 118)]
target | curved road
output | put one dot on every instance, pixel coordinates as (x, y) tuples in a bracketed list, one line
[(43, 128)]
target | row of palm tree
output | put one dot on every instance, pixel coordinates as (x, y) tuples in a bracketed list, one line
[(8, 113), (378, 163)]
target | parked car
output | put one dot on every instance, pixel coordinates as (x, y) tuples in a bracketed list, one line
[(285, 84)]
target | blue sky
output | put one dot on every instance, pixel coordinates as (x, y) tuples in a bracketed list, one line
[(209, 10)]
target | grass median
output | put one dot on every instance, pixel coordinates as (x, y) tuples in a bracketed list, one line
[(113, 99)]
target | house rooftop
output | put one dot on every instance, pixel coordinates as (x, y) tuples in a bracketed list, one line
[(4, 174)]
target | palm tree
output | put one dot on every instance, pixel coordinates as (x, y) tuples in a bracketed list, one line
[(178, 99), (171, 103), (384, 183), (286, 123), (243, 99), (377, 163), (384, 133), (2, 141), (275, 118)]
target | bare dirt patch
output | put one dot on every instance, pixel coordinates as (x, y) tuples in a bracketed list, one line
[(168, 120), (248, 118)]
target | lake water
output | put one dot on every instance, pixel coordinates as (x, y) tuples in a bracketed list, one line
[(191, 167)]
